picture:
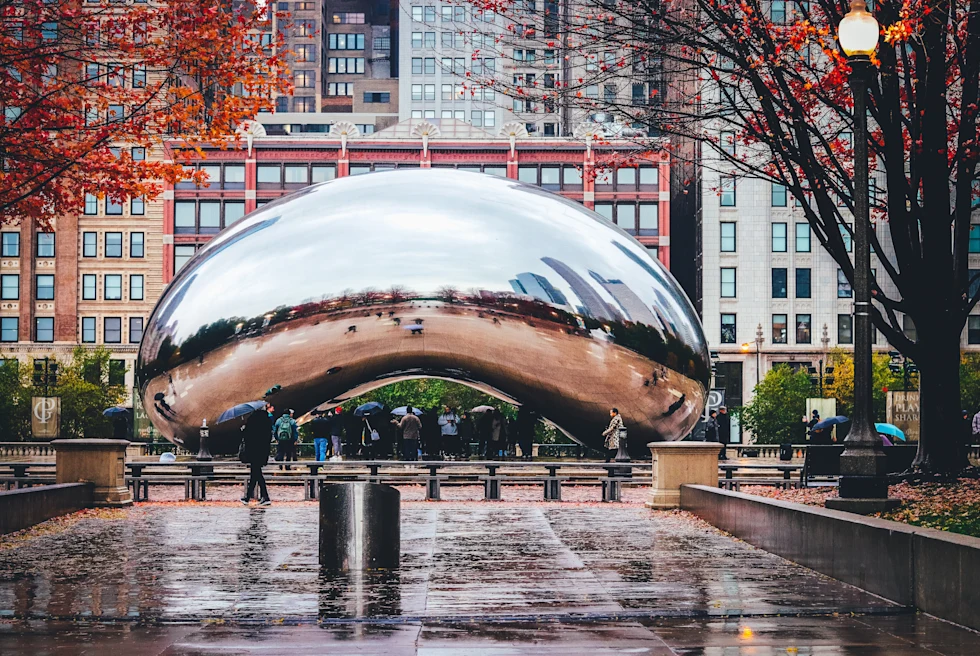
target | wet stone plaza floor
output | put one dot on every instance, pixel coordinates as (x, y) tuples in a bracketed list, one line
[(476, 578)]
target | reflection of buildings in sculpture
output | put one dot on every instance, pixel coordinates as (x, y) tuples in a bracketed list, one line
[(591, 303), (538, 287), (631, 304)]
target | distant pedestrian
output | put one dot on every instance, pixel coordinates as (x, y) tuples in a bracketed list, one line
[(120, 427), (527, 420), (320, 427), (370, 440), (975, 428), (287, 434), (724, 431), (337, 433), (255, 453), (484, 426), (711, 427), (498, 433), (613, 433), (449, 427), (411, 428), (465, 434)]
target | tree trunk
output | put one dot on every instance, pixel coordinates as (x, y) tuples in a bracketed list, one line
[(941, 429)]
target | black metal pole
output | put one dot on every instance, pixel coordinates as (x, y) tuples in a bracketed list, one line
[(863, 484)]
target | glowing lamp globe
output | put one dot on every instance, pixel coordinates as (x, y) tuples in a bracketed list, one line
[(858, 31)]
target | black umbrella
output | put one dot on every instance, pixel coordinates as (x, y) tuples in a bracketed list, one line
[(827, 423), (369, 409), (115, 412), (240, 410)]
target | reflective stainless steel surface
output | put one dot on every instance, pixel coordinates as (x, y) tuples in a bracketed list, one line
[(360, 526), (351, 284)]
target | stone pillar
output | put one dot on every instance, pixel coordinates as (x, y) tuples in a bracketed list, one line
[(101, 462), (681, 463)]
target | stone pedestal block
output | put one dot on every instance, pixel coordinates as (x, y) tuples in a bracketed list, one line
[(97, 461), (681, 463)]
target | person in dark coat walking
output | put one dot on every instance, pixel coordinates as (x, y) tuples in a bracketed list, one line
[(711, 427), (255, 453), (484, 426), (724, 431), (465, 434), (527, 419)]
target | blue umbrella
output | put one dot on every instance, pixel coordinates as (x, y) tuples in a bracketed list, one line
[(890, 430), (115, 412), (369, 409), (241, 410), (402, 411), (827, 423)]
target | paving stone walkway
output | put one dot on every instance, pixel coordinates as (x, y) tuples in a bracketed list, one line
[(475, 578)]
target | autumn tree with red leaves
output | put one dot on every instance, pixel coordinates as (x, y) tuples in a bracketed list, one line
[(82, 82), (761, 87)]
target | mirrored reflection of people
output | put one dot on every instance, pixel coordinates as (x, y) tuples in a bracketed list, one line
[(724, 431), (449, 427), (255, 453), (411, 429), (612, 434)]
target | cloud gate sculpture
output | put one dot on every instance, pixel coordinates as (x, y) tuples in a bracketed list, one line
[(352, 284)]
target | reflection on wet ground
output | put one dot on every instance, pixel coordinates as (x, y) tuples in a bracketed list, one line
[(475, 578)]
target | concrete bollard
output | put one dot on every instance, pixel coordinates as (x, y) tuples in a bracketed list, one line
[(97, 461), (680, 463), (359, 526)]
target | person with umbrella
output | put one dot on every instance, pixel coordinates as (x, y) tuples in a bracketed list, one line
[(320, 427), (465, 434), (120, 422), (255, 453)]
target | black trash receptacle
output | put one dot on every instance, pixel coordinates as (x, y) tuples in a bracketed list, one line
[(359, 526), (786, 451)]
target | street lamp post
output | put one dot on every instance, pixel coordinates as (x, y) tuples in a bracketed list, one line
[(863, 482), (759, 339)]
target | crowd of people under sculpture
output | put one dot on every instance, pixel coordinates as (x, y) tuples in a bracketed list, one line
[(426, 435)]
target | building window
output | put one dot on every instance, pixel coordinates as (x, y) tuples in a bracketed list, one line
[(845, 329), (10, 287), (778, 237), (727, 236), (348, 18), (345, 42), (113, 244), (136, 248), (182, 254), (417, 14), (340, 89), (113, 287), (137, 206), (322, 173), (209, 220), (909, 328), (234, 211), (11, 244), (234, 177), (803, 283), (778, 195), (90, 244), (44, 287), (91, 204), (88, 330), (650, 220), (268, 174), (551, 177), (779, 283), (803, 329), (728, 329), (112, 330), (975, 239), (605, 210), (117, 371), (528, 174), (184, 217), (138, 154), (727, 187), (305, 53), (728, 283), (139, 76), (430, 92), (726, 141), (45, 244), (649, 176), (44, 329), (626, 179), (845, 234), (296, 174), (135, 330), (779, 335), (802, 237), (136, 287), (416, 92), (9, 329), (626, 217), (843, 287), (113, 207), (377, 97), (430, 14), (88, 287)]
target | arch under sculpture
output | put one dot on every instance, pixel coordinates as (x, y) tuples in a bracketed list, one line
[(352, 284)]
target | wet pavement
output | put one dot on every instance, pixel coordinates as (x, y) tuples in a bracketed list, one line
[(476, 577)]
